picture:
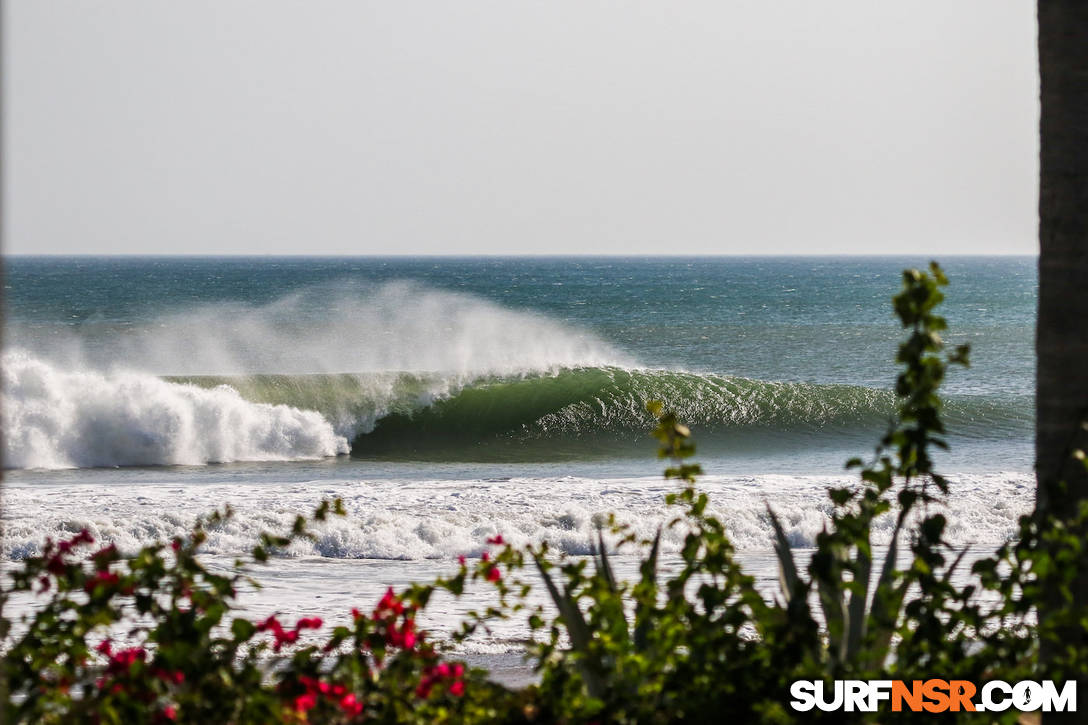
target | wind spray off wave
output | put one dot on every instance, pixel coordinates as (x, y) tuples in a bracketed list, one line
[(96, 396)]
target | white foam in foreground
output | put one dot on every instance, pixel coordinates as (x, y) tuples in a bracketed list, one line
[(400, 531), (414, 520), (55, 418)]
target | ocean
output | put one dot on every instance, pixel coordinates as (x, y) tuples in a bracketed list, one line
[(450, 399)]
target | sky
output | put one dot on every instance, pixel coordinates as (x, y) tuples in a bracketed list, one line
[(529, 127)]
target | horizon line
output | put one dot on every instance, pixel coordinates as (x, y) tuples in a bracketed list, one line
[(483, 255)]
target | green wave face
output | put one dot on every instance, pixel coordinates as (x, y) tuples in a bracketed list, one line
[(594, 412)]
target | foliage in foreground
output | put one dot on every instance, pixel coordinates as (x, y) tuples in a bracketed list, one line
[(697, 643)]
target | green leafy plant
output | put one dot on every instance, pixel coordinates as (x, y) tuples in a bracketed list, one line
[(150, 638)]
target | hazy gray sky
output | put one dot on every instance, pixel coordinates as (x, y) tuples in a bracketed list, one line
[(502, 127)]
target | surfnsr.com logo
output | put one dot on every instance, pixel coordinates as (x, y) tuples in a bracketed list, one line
[(933, 696)]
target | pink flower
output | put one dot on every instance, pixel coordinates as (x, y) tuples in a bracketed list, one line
[(283, 636), (175, 676), (305, 702), (443, 672), (461, 560), (270, 623), (351, 705), (389, 603), (102, 556), (105, 578), (170, 712)]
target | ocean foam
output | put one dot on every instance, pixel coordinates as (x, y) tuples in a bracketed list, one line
[(54, 418), (410, 520)]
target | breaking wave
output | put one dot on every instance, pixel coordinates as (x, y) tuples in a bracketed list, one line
[(437, 376), (61, 419)]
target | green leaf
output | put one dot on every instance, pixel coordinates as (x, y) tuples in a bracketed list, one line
[(603, 567), (242, 629), (790, 580)]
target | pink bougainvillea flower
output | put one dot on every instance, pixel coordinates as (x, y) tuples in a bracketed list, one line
[(104, 578), (305, 702), (351, 705)]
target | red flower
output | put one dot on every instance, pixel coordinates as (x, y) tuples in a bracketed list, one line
[(175, 676), (461, 560), (305, 702), (56, 565), (309, 623), (170, 712), (497, 540), (442, 672), (105, 578), (351, 705), (83, 537), (389, 603), (493, 574), (270, 623), (103, 556)]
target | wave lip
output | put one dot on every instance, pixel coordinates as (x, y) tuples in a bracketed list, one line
[(54, 418)]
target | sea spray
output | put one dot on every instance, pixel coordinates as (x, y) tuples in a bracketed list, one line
[(333, 328)]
